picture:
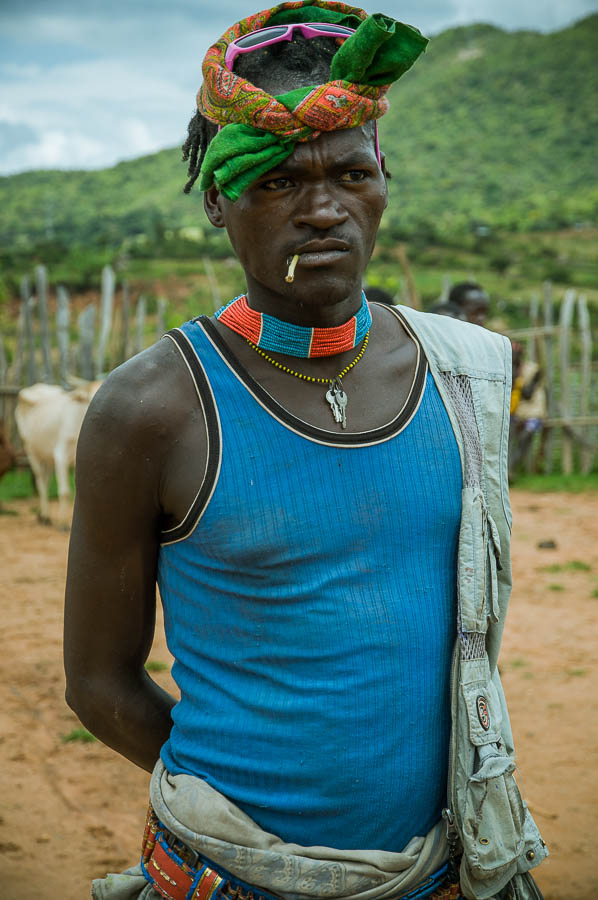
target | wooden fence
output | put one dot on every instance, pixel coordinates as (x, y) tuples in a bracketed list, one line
[(101, 338), (563, 349), (48, 345)]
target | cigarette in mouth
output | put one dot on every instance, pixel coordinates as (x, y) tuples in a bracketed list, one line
[(290, 276)]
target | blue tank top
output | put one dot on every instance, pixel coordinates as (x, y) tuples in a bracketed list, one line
[(310, 601)]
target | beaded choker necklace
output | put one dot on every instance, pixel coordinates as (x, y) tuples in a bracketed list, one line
[(270, 333)]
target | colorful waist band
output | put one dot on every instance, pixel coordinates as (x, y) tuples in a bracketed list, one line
[(177, 872)]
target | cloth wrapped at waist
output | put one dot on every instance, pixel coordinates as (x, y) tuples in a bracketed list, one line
[(209, 823)]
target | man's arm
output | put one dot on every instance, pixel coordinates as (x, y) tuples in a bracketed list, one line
[(122, 464)]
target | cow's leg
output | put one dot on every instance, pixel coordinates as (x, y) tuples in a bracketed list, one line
[(61, 465), (41, 471)]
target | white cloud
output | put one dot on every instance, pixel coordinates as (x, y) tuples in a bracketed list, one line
[(92, 114), (538, 15)]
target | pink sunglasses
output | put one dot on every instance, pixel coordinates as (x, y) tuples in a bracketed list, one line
[(273, 34)]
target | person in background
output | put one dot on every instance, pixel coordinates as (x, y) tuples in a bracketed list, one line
[(379, 295), (448, 309), (529, 406), (472, 300)]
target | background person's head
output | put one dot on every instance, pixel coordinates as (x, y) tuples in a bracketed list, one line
[(471, 298), (449, 309), (379, 295)]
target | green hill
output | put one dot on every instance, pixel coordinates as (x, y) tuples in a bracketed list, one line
[(489, 126), (499, 127)]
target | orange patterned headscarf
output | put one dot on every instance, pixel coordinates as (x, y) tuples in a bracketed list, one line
[(260, 130)]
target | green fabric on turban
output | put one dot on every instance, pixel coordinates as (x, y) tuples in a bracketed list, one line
[(310, 13), (380, 51), (259, 131), (239, 154)]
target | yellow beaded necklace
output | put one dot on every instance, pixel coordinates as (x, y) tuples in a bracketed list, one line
[(335, 395)]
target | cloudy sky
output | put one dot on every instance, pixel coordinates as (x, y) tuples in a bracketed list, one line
[(86, 83)]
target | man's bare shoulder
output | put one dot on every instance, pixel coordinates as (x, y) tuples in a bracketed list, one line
[(138, 412), (148, 391), (143, 443)]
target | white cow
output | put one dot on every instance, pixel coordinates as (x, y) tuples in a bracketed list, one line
[(49, 420)]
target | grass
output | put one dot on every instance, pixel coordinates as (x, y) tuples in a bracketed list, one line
[(576, 673), (79, 734), (594, 593), (574, 565), (18, 484), (556, 587), (545, 484), (155, 665)]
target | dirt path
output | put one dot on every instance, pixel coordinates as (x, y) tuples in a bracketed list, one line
[(73, 810)]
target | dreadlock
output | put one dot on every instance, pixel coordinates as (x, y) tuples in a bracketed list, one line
[(294, 64), (200, 132)]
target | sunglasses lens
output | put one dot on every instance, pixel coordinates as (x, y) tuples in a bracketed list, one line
[(333, 29), (260, 37)]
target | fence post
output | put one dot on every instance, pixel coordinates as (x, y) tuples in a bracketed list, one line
[(105, 316), (41, 289), (3, 371), (17, 362), (567, 309), (533, 343), (213, 282), (585, 401), (161, 317), (414, 298), (86, 325), (126, 315), (548, 438), (27, 303), (140, 315), (62, 333), (446, 289), (3, 363)]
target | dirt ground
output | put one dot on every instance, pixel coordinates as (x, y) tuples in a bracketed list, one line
[(72, 810)]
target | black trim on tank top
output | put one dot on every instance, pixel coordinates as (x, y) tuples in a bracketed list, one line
[(299, 425), (184, 528)]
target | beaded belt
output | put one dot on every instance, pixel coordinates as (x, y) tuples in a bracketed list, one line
[(177, 872)]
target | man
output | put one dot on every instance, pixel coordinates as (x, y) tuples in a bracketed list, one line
[(379, 295), (298, 474), (472, 299), (448, 309), (529, 407)]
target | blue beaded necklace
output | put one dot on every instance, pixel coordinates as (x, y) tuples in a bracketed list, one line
[(269, 333)]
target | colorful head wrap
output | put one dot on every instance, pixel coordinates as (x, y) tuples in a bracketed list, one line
[(259, 131)]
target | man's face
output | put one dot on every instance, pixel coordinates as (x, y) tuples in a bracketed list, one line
[(325, 203), (476, 307)]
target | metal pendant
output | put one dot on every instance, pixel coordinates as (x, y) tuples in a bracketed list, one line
[(337, 398)]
